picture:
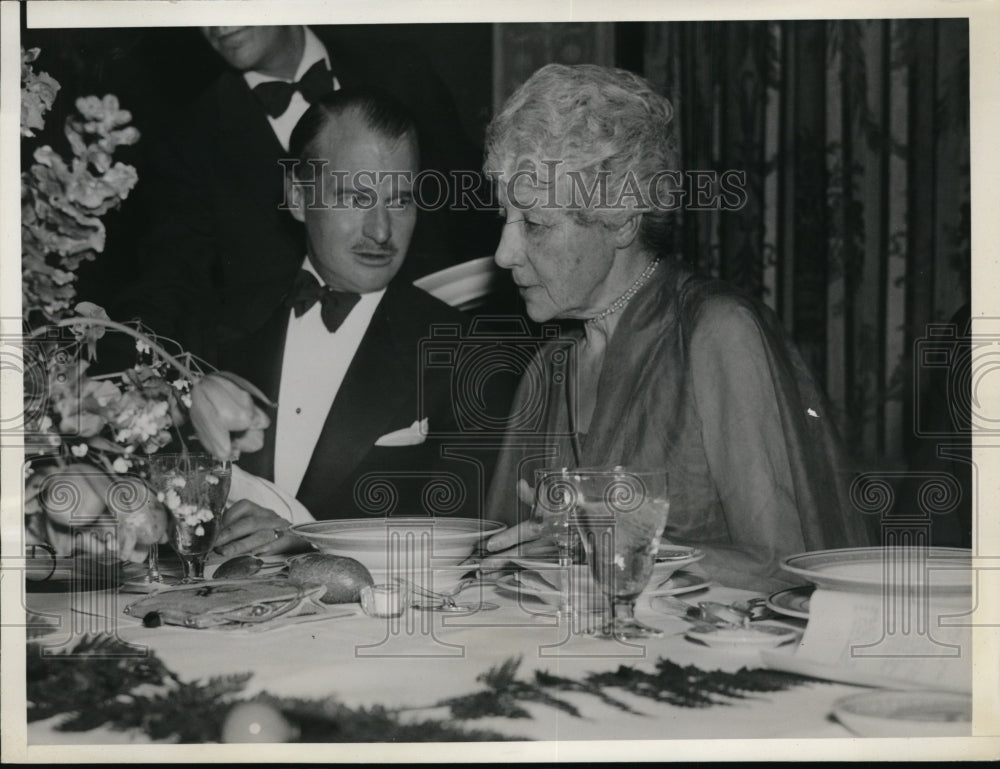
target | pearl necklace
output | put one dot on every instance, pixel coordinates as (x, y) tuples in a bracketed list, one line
[(632, 290)]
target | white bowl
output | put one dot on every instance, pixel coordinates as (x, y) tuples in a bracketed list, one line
[(906, 714), (405, 547)]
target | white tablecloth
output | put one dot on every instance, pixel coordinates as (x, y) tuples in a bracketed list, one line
[(430, 657)]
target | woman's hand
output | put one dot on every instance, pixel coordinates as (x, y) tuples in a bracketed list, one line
[(527, 534), (249, 528)]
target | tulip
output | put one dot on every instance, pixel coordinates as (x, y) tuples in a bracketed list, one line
[(220, 406)]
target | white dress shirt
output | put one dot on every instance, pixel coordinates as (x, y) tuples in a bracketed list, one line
[(312, 369), (313, 51)]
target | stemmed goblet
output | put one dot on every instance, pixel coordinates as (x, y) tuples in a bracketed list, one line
[(141, 522), (555, 503), (621, 514), (194, 488)]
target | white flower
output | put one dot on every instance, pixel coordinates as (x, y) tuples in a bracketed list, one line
[(200, 531), (160, 496), (142, 346), (180, 384), (79, 450), (177, 482), (172, 500), (121, 465)]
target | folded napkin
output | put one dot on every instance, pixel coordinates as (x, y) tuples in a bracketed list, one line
[(232, 603), (413, 435), (244, 485), (884, 640)]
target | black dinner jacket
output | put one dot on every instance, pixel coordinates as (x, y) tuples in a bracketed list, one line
[(220, 250), (348, 475)]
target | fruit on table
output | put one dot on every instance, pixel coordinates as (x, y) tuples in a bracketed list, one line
[(343, 577), (74, 495), (239, 567)]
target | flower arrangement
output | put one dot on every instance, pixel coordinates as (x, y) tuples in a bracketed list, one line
[(88, 435)]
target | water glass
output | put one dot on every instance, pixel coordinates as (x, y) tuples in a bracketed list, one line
[(194, 488), (620, 514)]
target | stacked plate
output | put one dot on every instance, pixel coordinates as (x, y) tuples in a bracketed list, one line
[(897, 579), (542, 578), (869, 569), (416, 548)]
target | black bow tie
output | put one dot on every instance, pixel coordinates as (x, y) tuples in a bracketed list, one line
[(336, 305), (275, 95)]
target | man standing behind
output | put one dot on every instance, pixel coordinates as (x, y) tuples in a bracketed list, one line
[(342, 356), (220, 252), (292, 60)]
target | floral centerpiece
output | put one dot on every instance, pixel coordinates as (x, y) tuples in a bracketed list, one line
[(88, 436)]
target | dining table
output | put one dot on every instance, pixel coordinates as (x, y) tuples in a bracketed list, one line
[(514, 672)]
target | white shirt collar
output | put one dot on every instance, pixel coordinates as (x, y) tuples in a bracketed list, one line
[(312, 51), (307, 265)]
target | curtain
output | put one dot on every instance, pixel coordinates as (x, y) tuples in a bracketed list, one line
[(854, 138)]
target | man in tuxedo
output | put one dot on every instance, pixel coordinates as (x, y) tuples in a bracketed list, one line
[(220, 251), (342, 355)]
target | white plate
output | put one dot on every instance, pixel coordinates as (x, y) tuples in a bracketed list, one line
[(60, 574), (529, 584), (906, 714), (943, 570), (379, 542), (671, 558), (758, 636), (793, 602), (532, 584)]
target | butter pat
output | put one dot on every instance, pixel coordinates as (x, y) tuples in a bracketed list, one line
[(383, 600)]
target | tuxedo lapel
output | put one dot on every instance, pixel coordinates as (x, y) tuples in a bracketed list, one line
[(376, 386), (245, 132), (258, 359)]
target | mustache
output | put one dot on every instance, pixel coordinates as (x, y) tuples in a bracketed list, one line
[(372, 249)]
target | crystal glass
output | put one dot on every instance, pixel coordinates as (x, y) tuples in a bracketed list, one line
[(193, 488), (555, 502), (140, 522), (620, 514)]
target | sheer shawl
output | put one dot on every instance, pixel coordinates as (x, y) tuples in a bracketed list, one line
[(702, 381)]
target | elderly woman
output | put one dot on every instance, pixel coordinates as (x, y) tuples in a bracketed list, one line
[(671, 370)]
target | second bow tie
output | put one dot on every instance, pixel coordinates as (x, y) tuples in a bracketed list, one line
[(335, 305), (276, 95)]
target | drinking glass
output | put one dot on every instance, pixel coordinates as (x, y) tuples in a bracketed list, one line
[(555, 502), (620, 514), (194, 488)]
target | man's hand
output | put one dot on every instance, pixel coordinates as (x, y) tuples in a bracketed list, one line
[(249, 528)]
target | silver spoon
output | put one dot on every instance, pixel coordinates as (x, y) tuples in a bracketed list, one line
[(447, 600)]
